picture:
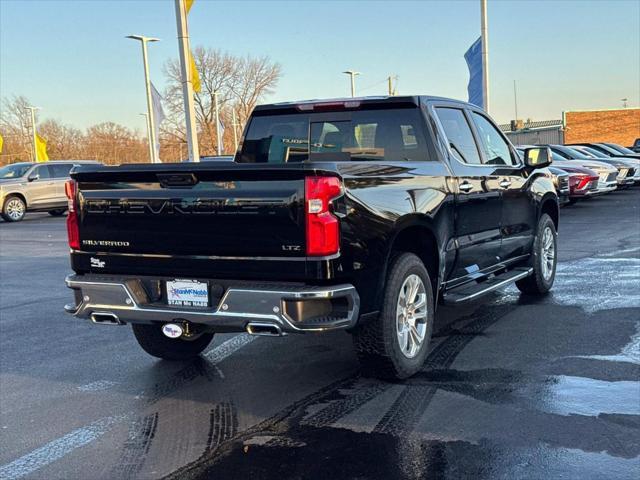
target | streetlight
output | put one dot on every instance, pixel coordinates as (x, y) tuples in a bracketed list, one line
[(353, 74), (33, 130), (151, 127), (217, 114), (146, 121)]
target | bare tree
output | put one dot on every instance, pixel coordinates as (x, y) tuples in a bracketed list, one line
[(239, 83), (257, 78), (15, 126), (63, 141)]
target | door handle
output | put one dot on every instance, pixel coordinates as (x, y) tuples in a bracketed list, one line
[(465, 187), (505, 183)]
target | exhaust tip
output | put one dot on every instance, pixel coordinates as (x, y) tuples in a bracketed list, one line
[(264, 329), (105, 318)]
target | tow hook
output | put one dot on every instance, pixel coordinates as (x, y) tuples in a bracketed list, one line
[(172, 330)]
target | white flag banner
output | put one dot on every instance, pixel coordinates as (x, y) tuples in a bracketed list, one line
[(158, 115)]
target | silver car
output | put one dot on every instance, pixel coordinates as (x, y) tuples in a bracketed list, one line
[(34, 187)]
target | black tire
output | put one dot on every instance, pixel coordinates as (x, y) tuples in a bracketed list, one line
[(377, 343), (13, 209), (58, 212), (155, 343), (538, 283)]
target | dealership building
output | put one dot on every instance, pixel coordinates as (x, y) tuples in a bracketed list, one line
[(621, 126)]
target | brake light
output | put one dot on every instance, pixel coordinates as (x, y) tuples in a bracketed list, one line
[(323, 229), (73, 232)]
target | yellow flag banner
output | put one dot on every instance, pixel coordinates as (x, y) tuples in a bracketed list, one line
[(193, 73), (41, 149), (1, 143), (188, 4)]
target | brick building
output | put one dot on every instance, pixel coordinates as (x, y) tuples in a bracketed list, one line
[(620, 126)]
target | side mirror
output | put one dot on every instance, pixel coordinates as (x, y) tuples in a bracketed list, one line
[(537, 157), (32, 177)]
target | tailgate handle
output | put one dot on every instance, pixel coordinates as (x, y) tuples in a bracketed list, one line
[(177, 179)]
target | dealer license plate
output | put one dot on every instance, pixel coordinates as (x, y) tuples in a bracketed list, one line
[(187, 293)]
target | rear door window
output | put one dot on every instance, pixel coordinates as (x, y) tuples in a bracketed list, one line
[(61, 170), (459, 135)]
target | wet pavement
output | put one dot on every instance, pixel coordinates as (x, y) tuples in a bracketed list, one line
[(514, 386)]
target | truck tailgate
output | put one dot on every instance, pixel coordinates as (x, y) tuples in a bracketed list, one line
[(192, 210)]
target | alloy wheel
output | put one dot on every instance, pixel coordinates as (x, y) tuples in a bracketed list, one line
[(411, 315), (14, 209), (548, 254)]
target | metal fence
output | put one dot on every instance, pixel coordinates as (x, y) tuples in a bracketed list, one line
[(533, 137)]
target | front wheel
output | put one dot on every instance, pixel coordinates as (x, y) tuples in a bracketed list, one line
[(155, 343), (394, 345), (544, 259), (13, 209)]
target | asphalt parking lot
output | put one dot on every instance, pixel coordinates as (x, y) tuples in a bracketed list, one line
[(514, 387)]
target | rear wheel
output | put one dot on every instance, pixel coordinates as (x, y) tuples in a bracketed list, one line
[(394, 345), (155, 343), (13, 209), (544, 259), (57, 212)]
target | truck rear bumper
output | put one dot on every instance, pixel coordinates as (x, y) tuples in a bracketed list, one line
[(260, 308)]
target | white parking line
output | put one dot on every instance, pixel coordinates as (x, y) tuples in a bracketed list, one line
[(58, 448)]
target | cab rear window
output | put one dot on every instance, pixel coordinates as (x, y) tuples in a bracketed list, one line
[(363, 135)]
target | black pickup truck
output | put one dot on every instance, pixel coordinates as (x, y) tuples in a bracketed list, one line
[(357, 214)]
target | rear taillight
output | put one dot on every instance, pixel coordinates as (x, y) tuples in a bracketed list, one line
[(73, 233), (323, 229)]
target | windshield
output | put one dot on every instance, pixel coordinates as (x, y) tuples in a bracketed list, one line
[(592, 152), (14, 171), (621, 149), (390, 134), (575, 153)]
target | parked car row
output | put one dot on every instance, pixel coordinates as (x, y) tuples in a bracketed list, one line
[(592, 169), (35, 187)]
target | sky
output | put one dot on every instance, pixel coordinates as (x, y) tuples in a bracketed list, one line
[(71, 58)]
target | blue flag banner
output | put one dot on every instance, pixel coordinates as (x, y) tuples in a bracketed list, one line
[(473, 56)]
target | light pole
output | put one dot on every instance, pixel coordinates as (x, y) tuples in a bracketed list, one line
[(217, 112), (33, 130), (153, 156), (353, 75), (235, 133), (146, 120)]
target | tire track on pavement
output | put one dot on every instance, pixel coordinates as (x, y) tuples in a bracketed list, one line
[(62, 446)]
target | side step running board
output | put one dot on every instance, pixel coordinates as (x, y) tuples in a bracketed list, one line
[(468, 292)]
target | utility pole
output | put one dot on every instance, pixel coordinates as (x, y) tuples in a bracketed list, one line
[(391, 88), (217, 112), (187, 86), (234, 125), (146, 121), (353, 75), (485, 55), (515, 98), (153, 155), (33, 131)]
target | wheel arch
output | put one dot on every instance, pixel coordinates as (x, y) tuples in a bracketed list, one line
[(15, 194), (416, 234), (549, 205)]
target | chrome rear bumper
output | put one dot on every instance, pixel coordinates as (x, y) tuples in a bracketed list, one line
[(291, 308)]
